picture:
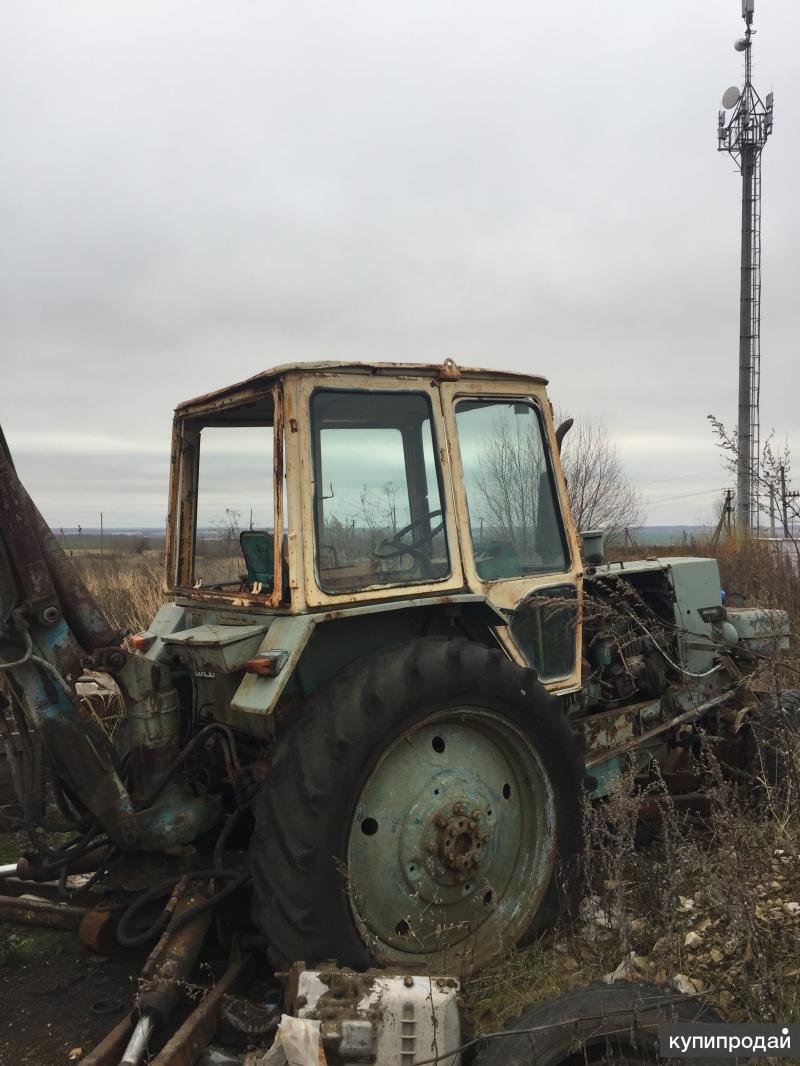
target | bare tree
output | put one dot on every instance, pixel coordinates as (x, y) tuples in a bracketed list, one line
[(770, 476), (509, 469), (601, 494)]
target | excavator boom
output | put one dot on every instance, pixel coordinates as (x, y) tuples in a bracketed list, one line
[(50, 626)]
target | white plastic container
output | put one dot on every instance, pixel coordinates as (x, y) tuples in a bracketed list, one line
[(386, 1019)]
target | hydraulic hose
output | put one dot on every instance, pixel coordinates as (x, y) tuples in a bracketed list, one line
[(128, 938)]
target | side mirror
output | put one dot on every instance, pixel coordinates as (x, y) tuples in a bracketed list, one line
[(593, 547)]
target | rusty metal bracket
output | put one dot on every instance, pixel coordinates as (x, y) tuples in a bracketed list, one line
[(198, 1029)]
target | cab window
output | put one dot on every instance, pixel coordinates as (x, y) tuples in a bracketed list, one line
[(234, 529), (377, 494), (513, 509)]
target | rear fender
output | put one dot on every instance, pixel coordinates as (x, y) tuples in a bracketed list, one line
[(317, 646)]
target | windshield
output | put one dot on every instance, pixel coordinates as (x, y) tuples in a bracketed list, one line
[(513, 511), (377, 495)]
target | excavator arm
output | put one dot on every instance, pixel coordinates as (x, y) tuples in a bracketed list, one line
[(50, 626)]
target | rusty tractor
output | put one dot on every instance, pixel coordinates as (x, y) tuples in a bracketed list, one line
[(386, 659)]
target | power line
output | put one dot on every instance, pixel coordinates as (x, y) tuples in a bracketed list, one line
[(684, 495)]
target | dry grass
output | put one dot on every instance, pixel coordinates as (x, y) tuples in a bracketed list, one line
[(128, 588), (715, 912)]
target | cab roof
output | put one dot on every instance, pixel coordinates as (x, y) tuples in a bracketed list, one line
[(263, 381)]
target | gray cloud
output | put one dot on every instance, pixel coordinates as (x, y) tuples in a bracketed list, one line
[(194, 191)]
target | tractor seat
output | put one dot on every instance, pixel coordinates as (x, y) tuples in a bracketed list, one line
[(258, 546)]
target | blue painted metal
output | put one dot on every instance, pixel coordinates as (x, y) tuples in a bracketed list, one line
[(176, 817), (606, 774), (81, 756)]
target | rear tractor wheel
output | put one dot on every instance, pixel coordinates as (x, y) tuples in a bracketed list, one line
[(418, 812)]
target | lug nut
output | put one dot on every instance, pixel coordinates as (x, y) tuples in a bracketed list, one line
[(458, 808), (475, 814), (440, 820)]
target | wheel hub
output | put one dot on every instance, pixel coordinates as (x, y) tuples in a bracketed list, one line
[(458, 840)]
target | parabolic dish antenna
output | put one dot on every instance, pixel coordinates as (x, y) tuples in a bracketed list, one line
[(730, 98)]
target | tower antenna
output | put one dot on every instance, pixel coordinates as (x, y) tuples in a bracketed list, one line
[(743, 135)]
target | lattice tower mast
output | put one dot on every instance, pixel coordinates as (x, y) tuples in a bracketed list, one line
[(743, 136)]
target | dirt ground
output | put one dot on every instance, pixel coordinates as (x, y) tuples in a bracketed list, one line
[(56, 996)]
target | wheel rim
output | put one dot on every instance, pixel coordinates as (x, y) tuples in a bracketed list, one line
[(452, 842)]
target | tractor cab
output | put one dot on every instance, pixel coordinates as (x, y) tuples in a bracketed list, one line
[(361, 484)]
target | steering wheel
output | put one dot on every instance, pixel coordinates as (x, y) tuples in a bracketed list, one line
[(392, 547)]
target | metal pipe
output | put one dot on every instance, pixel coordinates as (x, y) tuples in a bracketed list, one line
[(108, 1051), (47, 890), (140, 1037), (177, 954), (37, 912), (9, 869)]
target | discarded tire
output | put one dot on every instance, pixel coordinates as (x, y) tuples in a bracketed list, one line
[(613, 1024), (418, 812)]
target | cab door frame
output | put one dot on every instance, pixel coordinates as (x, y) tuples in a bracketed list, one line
[(506, 593)]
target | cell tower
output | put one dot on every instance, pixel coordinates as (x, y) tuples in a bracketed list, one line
[(743, 135)]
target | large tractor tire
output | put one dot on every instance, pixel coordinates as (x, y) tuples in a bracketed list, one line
[(420, 811), (612, 1025)]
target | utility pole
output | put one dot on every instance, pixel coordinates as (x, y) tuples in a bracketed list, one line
[(785, 497), (743, 137), (772, 510), (101, 536), (724, 517)]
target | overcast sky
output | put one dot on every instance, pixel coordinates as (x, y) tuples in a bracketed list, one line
[(193, 191)]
